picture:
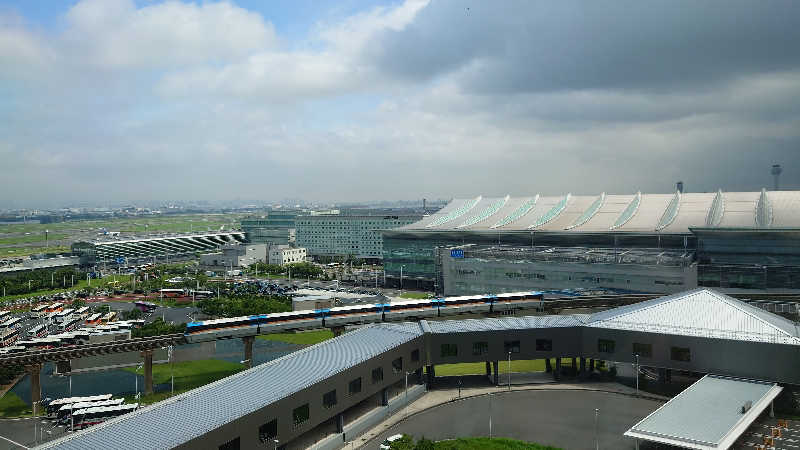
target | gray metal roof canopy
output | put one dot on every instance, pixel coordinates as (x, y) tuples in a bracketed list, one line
[(710, 414)]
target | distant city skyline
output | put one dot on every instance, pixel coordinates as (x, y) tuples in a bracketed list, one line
[(122, 101)]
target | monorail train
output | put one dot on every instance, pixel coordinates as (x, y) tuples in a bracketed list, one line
[(355, 314)]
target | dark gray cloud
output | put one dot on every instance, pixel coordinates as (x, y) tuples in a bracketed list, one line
[(534, 46)]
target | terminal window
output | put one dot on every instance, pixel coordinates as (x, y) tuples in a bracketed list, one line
[(511, 346), (680, 354), (605, 346), (480, 348), (377, 375), (329, 399), (354, 386), (301, 415), (643, 350), (397, 365), (230, 445), (544, 345), (415, 355), (449, 350), (268, 431)]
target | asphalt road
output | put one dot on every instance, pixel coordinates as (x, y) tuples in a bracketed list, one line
[(564, 419), (24, 432)]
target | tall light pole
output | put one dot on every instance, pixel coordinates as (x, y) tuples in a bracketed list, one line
[(490, 415), (637, 374), (509, 371), (596, 441), (401, 278)]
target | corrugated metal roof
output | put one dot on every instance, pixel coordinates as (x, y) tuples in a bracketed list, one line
[(707, 415), (700, 312), (211, 406), (509, 323)]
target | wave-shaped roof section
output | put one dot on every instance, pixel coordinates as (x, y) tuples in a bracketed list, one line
[(454, 205), (454, 218), (692, 210), (575, 207), (514, 210), (763, 211), (785, 208), (542, 206), (606, 215), (588, 213), (443, 217), (628, 213), (485, 213), (739, 210), (648, 212), (509, 206), (551, 213)]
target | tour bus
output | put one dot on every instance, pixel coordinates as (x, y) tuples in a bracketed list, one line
[(38, 311), (4, 315), (37, 331), (171, 292), (92, 416), (203, 294), (110, 317), (8, 337), (145, 306), (55, 405), (94, 319), (54, 307), (69, 325), (81, 312), (9, 324), (65, 412), (63, 315)]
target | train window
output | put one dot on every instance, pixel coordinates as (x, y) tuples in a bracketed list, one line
[(449, 350), (377, 375), (544, 345), (329, 399), (680, 354), (397, 365), (480, 348), (415, 355), (355, 386), (511, 346), (643, 350), (605, 346), (268, 431), (230, 445), (301, 415)]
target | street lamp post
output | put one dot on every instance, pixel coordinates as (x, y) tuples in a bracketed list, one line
[(637, 374), (275, 441), (490, 415), (509, 371), (401, 278), (596, 441)]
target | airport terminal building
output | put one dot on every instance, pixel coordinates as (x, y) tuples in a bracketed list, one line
[(343, 235), (656, 243)]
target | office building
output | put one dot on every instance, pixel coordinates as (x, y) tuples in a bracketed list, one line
[(343, 236)]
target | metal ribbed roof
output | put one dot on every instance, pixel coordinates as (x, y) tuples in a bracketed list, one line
[(640, 213), (701, 312), (707, 414), (508, 323), (211, 406)]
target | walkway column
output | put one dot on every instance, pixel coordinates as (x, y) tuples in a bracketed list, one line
[(496, 365), (591, 365), (36, 387), (431, 376), (575, 365), (148, 371), (662, 375), (548, 366), (557, 373), (583, 366), (488, 369), (669, 375), (385, 397), (248, 350)]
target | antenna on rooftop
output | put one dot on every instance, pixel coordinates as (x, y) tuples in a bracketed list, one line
[(776, 173)]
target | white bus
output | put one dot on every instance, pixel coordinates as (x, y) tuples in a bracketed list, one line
[(38, 311), (8, 337), (54, 405), (81, 312), (10, 324), (63, 316), (37, 331), (92, 416), (4, 315)]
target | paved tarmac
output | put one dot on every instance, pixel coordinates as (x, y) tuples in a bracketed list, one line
[(24, 432), (561, 418)]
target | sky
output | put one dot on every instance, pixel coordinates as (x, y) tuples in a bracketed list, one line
[(331, 101)]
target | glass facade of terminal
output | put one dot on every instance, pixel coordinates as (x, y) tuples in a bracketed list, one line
[(277, 228), (338, 235)]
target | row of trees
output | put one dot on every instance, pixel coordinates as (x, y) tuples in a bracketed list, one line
[(36, 280), (299, 270), (244, 305)]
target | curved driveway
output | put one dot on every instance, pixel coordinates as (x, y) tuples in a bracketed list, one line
[(562, 419)]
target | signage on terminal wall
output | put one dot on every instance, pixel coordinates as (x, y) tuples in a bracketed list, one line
[(456, 253)]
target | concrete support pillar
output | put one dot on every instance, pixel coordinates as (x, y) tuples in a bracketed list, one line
[(496, 365), (557, 372), (248, 350), (575, 365), (591, 365), (148, 371), (488, 369), (338, 330), (36, 387), (669, 375), (772, 409), (583, 366), (662, 375), (340, 423), (431, 376), (418, 373), (63, 367), (385, 397), (548, 366)]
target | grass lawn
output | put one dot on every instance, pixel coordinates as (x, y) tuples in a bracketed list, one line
[(489, 444), (188, 375), (31, 238), (416, 295), (306, 338), (172, 223), (13, 406), (533, 365), (14, 252)]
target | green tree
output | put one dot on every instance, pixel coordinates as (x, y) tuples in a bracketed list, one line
[(77, 303), (133, 314), (157, 328), (404, 443)]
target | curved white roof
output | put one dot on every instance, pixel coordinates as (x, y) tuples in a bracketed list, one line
[(673, 213)]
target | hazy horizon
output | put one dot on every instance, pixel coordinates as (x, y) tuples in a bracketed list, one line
[(115, 101)]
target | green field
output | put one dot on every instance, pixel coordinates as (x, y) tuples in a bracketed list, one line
[(416, 295), (32, 238), (480, 443), (18, 252), (176, 223), (188, 375), (306, 338), (13, 406), (533, 365)]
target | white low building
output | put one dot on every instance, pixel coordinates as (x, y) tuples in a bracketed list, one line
[(285, 254)]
